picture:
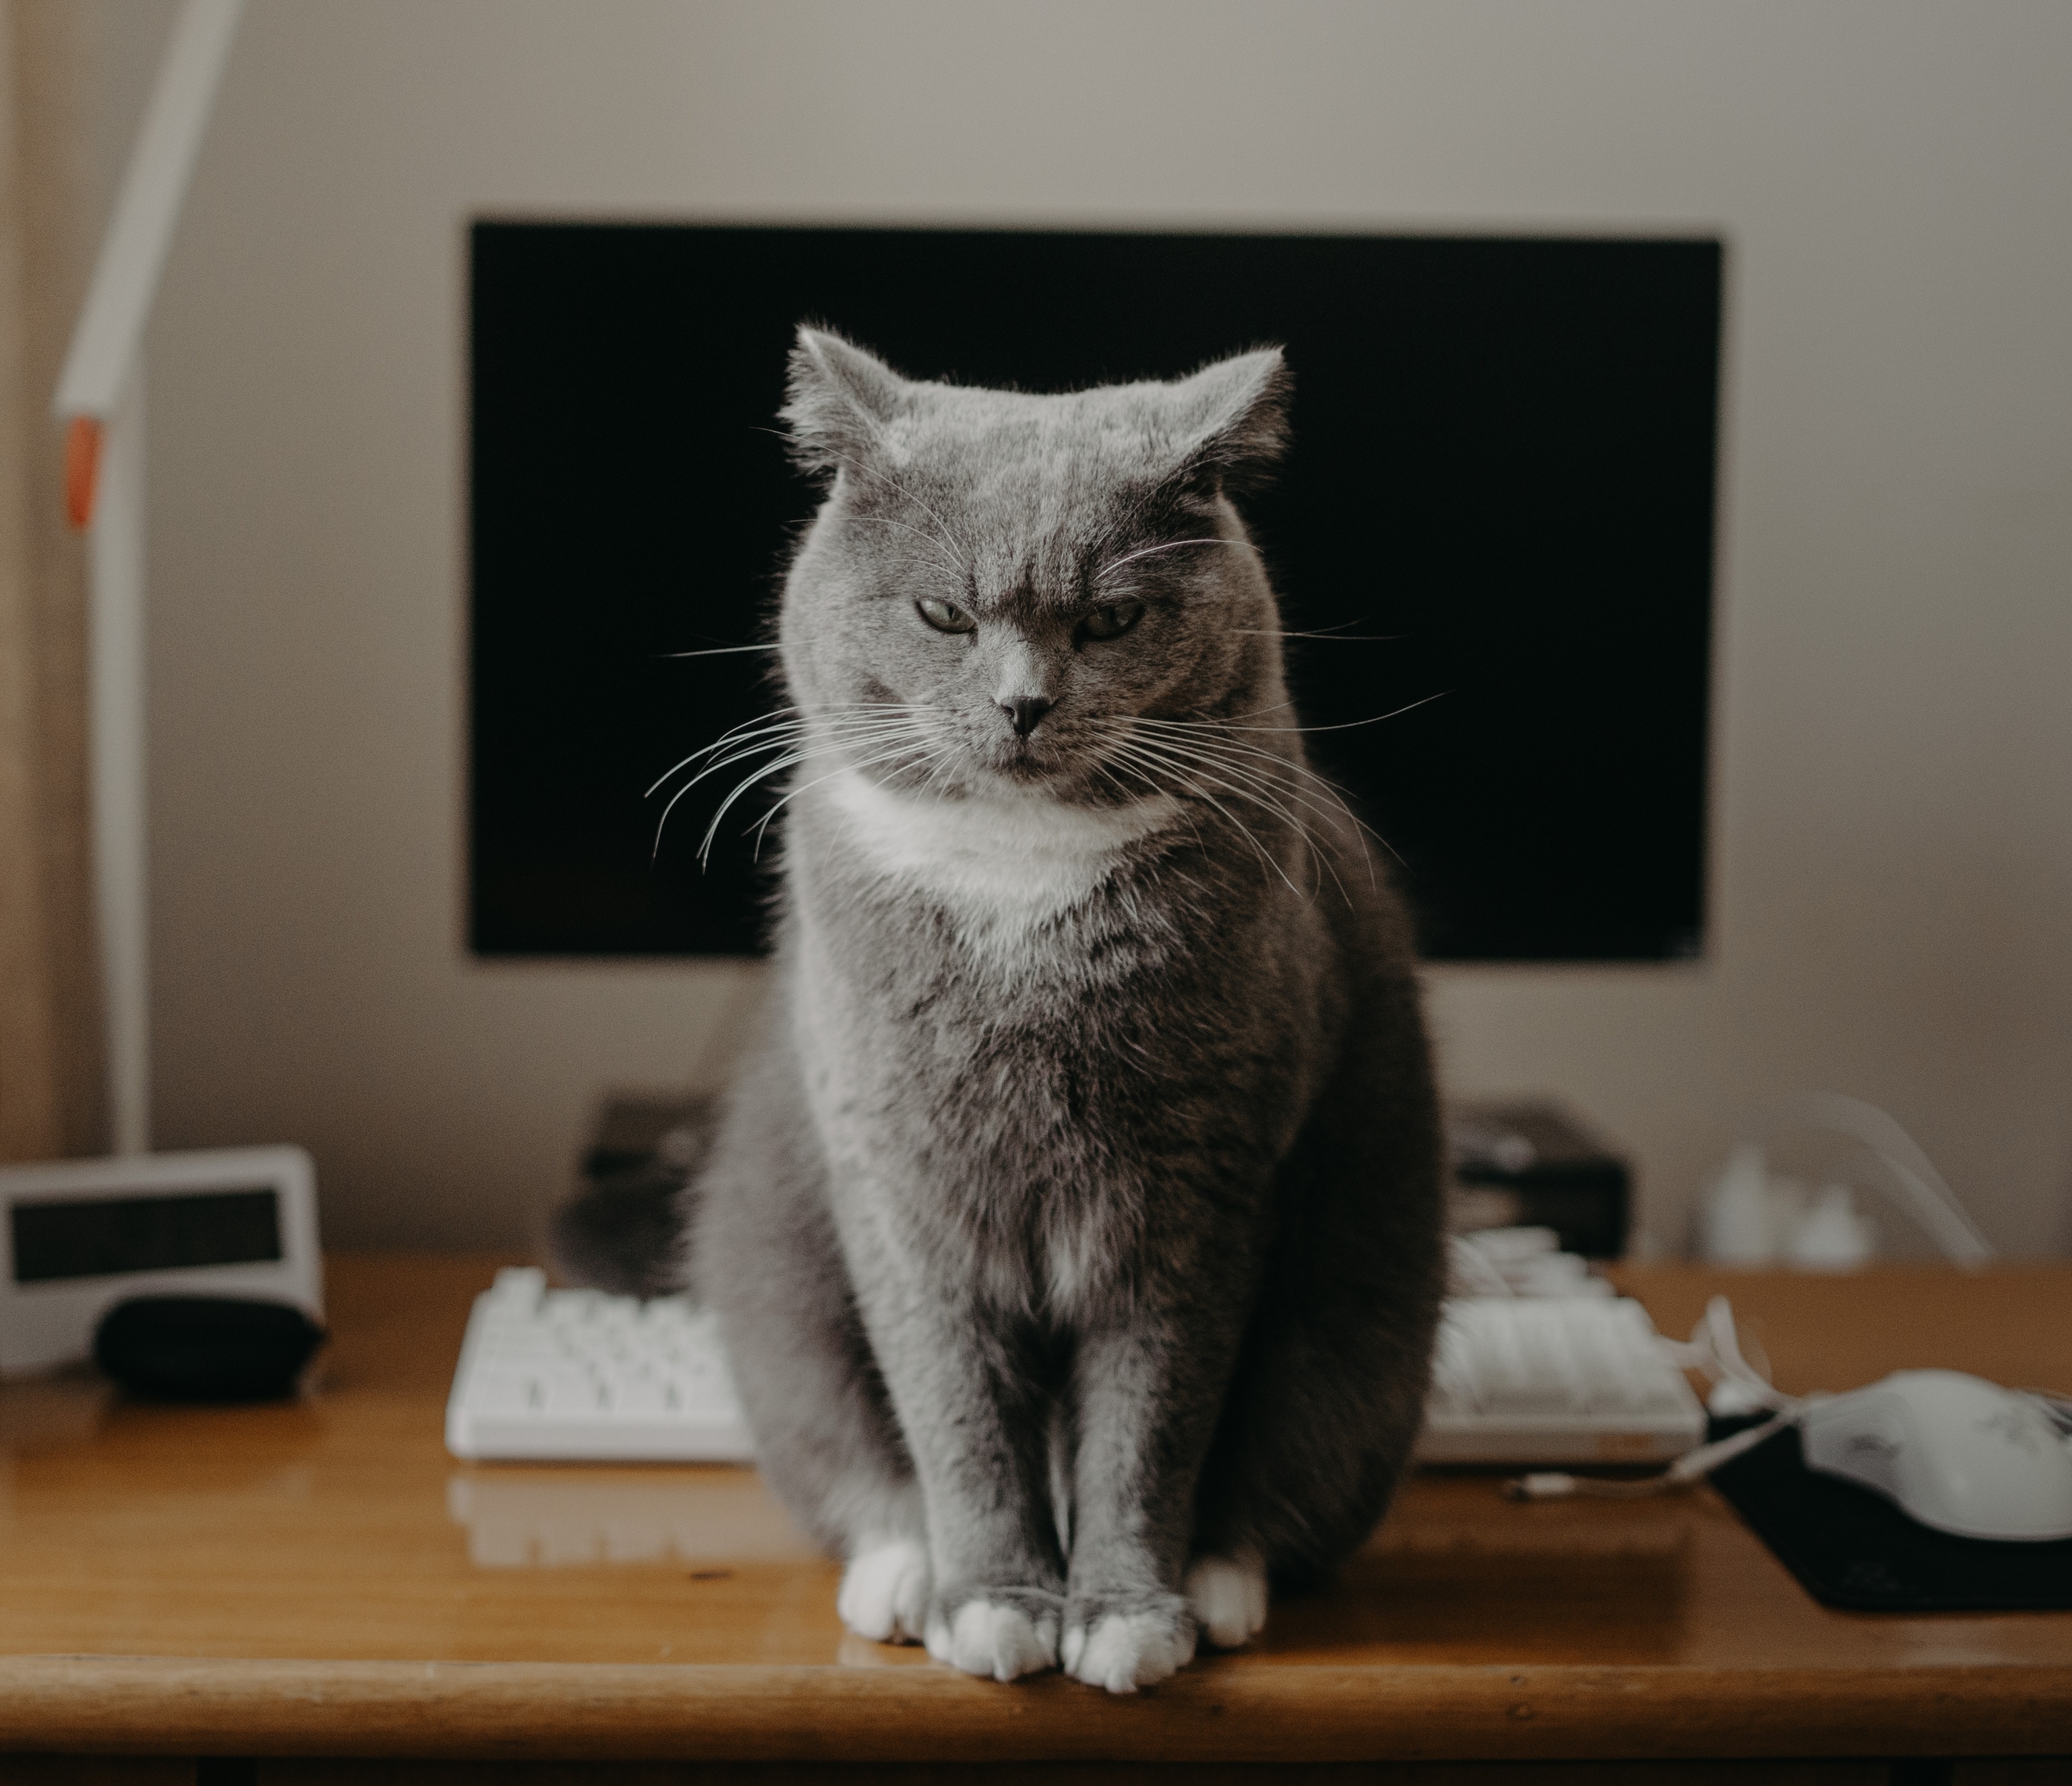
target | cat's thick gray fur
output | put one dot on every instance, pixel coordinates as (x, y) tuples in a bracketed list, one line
[(1077, 1216)]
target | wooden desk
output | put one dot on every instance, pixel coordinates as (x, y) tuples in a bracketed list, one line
[(321, 1580)]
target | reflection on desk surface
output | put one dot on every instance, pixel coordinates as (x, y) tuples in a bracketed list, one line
[(1626, 1569), (570, 1517), (1630, 1572), (65, 1408), (338, 1527)]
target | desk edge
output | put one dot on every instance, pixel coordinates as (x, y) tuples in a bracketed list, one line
[(1215, 1711)]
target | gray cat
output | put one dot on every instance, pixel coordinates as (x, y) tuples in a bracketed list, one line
[(1075, 1228)]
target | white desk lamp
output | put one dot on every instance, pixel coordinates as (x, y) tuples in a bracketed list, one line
[(101, 398)]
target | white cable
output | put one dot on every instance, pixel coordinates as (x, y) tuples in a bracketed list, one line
[(1554, 1485), (1714, 1348)]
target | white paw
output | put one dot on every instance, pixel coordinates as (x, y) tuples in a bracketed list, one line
[(1125, 1651), (1229, 1598), (884, 1591), (988, 1638)]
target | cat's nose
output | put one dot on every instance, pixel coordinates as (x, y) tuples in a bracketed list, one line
[(1026, 711)]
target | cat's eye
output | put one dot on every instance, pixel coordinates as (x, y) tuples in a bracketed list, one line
[(1112, 620), (944, 617)]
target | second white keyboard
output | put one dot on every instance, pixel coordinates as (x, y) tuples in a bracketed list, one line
[(575, 1375), (1555, 1380)]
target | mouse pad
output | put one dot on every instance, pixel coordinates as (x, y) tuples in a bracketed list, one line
[(1854, 1549)]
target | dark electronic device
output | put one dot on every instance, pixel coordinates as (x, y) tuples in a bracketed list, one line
[(79, 1236), (619, 1231), (1535, 1164), (1496, 525), (205, 1348)]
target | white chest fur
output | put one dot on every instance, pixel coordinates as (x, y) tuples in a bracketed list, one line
[(1001, 865)]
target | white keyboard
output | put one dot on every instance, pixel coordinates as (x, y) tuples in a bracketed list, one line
[(1570, 1375), (1580, 1379), (574, 1375)]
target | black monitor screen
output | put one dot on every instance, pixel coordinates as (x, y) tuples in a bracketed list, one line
[(1495, 524)]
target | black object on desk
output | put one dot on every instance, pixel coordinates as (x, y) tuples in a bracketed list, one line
[(205, 1348), (619, 1232), (1538, 1165), (1856, 1550)]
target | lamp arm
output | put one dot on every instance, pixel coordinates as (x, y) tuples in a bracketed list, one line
[(110, 333)]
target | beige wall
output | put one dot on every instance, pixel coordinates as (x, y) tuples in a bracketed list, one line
[(1894, 822)]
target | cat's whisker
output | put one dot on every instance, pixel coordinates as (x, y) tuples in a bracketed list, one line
[(1348, 725), (1264, 763), (785, 740), (1190, 780), (951, 564), (1278, 707), (789, 751), (732, 749), (1222, 730), (806, 745), (1331, 791), (1333, 631), (943, 759), (772, 720), (1169, 545), (1287, 778), (770, 725), (1261, 787), (1275, 762), (1244, 783), (1194, 790), (935, 764), (791, 794), (662, 824), (721, 650), (1105, 769), (713, 768), (948, 538), (1327, 637), (1327, 800), (662, 780), (755, 779)]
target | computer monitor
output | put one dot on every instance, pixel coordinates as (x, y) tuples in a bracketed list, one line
[(1496, 524)]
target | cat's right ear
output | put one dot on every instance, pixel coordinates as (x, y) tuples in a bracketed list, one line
[(840, 402), (1232, 417)]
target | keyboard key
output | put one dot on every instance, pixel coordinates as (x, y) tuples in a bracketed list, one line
[(567, 1389), (644, 1396)]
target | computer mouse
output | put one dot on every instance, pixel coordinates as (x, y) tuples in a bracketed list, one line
[(1957, 1453), (205, 1348)]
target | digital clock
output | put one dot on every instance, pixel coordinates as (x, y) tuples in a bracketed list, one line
[(79, 1236)]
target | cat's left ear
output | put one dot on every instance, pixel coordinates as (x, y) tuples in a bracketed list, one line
[(1232, 418), (840, 402)]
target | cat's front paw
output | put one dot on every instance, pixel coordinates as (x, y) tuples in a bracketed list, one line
[(1228, 1596), (1123, 1643), (884, 1592), (1003, 1632)]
